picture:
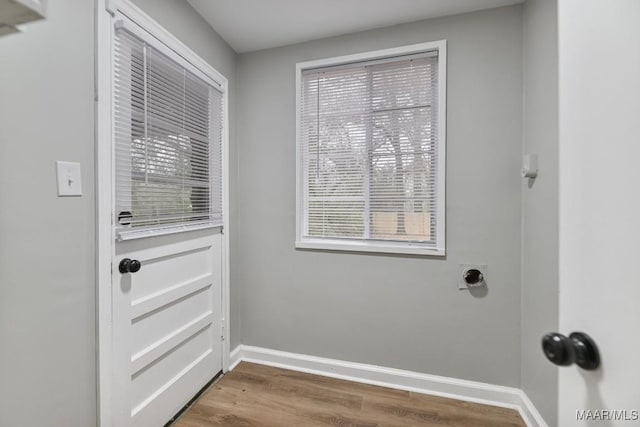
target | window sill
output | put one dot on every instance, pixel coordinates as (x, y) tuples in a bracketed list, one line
[(376, 247), (132, 234)]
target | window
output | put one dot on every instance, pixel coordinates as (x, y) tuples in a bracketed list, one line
[(168, 142), (370, 141)]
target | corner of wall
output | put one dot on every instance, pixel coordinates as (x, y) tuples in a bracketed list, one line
[(540, 216)]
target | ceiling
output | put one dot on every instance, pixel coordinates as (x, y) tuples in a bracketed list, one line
[(249, 25)]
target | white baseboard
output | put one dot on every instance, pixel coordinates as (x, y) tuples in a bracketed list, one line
[(529, 412), (470, 391)]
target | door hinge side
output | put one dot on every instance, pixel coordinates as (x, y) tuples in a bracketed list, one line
[(222, 330)]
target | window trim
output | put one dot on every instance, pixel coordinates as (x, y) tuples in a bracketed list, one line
[(365, 245)]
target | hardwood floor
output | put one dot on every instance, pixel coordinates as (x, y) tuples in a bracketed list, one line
[(258, 395)]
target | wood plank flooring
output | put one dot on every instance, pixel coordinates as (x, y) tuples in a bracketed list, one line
[(258, 395)]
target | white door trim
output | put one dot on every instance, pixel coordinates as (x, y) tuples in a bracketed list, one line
[(104, 185)]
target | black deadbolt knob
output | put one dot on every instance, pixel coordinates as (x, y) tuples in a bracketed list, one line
[(124, 218), (558, 349), (579, 348), (129, 266)]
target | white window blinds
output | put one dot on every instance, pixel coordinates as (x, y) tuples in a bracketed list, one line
[(369, 147), (168, 142)]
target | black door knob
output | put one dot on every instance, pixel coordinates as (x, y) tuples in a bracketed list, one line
[(557, 348), (129, 266), (579, 348), (586, 351)]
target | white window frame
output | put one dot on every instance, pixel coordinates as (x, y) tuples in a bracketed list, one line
[(397, 247), (194, 64)]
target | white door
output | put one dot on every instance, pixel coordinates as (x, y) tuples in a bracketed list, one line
[(167, 254), (599, 52), (167, 324)]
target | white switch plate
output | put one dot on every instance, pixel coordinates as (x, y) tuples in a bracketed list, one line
[(69, 182)]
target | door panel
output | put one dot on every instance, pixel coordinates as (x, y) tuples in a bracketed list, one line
[(149, 330), (163, 402), (180, 267), (599, 206), (162, 156), (167, 323)]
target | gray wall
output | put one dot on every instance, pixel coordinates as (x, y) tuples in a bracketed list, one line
[(397, 311), (47, 274), (187, 25), (540, 204), (47, 255)]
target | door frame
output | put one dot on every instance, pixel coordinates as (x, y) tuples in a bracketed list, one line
[(104, 185)]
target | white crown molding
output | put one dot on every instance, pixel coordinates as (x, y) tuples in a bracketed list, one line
[(470, 391)]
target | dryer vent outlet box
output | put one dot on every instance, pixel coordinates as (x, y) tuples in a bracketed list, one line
[(462, 274), (14, 13)]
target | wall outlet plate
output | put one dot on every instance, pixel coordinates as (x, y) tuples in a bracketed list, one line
[(484, 269)]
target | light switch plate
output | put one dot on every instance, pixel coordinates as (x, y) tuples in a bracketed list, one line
[(69, 181)]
